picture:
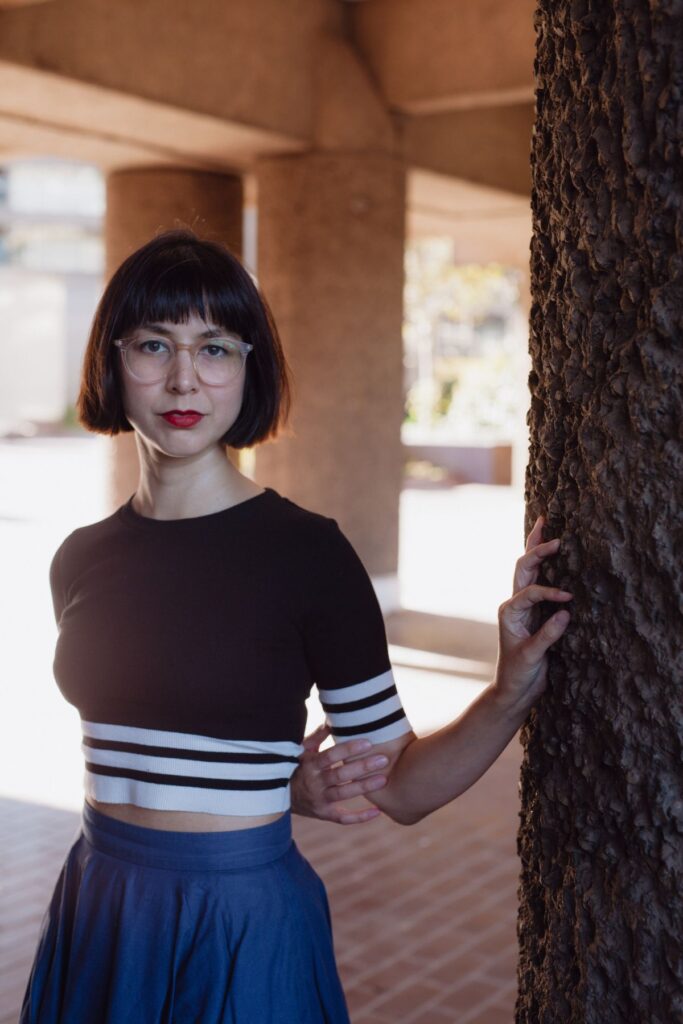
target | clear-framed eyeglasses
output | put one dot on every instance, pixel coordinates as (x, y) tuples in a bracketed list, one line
[(216, 361)]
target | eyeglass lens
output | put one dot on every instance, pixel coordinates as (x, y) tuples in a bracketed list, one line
[(216, 362)]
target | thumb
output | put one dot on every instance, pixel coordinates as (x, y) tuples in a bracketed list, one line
[(311, 743)]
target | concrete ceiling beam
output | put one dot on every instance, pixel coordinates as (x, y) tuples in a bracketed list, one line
[(241, 62), (436, 56), (49, 112), (489, 147), (113, 130)]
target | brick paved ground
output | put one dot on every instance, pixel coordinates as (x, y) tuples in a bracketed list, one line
[(424, 917)]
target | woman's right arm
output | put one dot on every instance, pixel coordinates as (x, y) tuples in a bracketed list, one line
[(321, 787)]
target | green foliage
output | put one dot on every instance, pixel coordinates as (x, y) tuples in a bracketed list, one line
[(69, 419), (458, 360)]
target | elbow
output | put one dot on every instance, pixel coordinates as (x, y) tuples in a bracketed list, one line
[(404, 815), (397, 809), (401, 800)]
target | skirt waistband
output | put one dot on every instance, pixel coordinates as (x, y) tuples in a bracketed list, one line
[(192, 851)]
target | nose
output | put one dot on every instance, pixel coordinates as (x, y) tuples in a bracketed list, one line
[(181, 377)]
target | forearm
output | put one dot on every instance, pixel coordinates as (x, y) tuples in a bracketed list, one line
[(435, 769)]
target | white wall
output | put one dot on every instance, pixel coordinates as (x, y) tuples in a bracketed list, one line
[(32, 346), (44, 323)]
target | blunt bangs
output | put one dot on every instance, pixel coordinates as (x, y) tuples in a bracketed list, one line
[(179, 281), (175, 275)]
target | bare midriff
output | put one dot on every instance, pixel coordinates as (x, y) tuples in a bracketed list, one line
[(181, 821)]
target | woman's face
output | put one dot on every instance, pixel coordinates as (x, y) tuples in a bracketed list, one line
[(149, 406)]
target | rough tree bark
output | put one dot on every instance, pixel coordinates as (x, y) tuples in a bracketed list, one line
[(601, 844)]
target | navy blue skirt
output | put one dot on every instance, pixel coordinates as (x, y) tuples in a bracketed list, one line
[(185, 927)]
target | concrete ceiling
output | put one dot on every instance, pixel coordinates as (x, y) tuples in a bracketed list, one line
[(448, 85), (430, 56)]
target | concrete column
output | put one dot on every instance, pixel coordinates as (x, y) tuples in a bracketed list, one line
[(141, 202), (330, 263)]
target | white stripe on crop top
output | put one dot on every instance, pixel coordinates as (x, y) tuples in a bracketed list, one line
[(165, 770)]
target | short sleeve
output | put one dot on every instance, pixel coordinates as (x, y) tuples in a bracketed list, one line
[(346, 644), (57, 584)]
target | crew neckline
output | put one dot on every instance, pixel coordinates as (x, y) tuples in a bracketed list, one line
[(127, 514)]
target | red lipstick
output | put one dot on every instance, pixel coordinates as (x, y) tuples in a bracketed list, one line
[(182, 419)]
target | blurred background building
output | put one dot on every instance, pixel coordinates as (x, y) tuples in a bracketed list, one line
[(51, 264)]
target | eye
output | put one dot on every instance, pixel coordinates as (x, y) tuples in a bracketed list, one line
[(220, 349), (148, 346)]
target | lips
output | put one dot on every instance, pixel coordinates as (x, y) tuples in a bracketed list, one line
[(183, 419)]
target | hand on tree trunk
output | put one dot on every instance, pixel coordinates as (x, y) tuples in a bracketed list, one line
[(522, 669)]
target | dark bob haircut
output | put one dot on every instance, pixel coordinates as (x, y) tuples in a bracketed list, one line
[(169, 278)]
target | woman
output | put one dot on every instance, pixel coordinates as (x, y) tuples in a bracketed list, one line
[(192, 624)]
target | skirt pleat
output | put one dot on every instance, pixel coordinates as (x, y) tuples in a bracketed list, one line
[(185, 928)]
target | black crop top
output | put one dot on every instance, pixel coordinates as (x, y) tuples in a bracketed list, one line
[(190, 645)]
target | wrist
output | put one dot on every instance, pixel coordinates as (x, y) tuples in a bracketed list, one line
[(511, 707)]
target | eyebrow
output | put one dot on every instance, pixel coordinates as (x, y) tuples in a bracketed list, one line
[(211, 332)]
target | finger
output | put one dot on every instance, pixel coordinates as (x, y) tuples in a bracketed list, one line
[(313, 741), (349, 817), (352, 770), (551, 631), (526, 569), (349, 790), (536, 535), (531, 595), (342, 751), (515, 615)]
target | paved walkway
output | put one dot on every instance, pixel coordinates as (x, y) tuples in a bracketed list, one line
[(424, 917)]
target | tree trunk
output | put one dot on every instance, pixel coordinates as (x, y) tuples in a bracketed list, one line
[(601, 844)]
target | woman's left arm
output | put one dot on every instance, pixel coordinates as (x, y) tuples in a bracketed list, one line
[(428, 772)]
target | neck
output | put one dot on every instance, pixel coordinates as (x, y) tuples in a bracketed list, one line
[(179, 488)]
